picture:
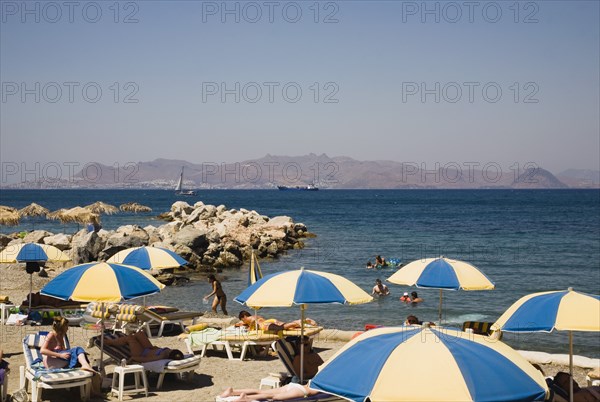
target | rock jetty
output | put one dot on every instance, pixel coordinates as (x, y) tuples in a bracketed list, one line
[(207, 236)]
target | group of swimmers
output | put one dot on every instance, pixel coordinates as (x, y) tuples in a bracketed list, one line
[(381, 289), (379, 262)]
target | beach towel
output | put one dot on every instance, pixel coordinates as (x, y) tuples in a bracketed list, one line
[(205, 337), (39, 373), (157, 366)]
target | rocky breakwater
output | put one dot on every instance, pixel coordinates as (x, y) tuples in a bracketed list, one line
[(207, 236)]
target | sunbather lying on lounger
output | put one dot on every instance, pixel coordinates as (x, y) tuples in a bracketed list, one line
[(142, 349), (586, 394), (289, 391), (248, 320)]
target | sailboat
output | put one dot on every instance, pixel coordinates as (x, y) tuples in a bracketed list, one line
[(179, 188)]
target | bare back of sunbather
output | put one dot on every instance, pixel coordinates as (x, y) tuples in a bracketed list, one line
[(141, 348)]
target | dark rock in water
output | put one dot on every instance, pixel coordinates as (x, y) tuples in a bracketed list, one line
[(166, 279), (4, 240), (165, 216), (192, 238)]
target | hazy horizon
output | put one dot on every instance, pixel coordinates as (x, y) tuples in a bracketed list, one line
[(202, 81)]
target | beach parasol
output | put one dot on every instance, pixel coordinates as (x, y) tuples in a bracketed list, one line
[(254, 273), (134, 207), (302, 287), (427, 364), (441, 273), (32, 254), (104, 283), (78, 215), (564, 310), (100, 207), (148, 258), (55, 215), (32, 210), (9, 216)]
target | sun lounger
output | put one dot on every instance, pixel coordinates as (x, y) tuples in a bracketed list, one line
[(236, 337), (34, 371), (118, 353), (132, 317), (482, 328), (155, 318)]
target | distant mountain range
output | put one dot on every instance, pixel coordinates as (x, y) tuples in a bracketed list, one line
[(323, 171)]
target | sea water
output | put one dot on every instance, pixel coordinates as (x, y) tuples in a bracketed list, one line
[(525, 241)]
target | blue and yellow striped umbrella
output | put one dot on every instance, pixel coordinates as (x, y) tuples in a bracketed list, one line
[(427, 364), (102, 282), (441, 273), (564, 310), (32, 252), (302, 286), (148, 258), (254, 272)]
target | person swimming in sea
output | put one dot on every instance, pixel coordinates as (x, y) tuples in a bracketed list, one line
[(415, 299), (379, 260), (380, 289)]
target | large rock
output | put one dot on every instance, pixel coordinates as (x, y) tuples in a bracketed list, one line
[(194, 216), (209, 211), (181, 209), (153, 234), (61, 241), (37, 236), (280, 222), (86, 247), (4, 240), (168, 231), (128, 236), (192, 238), (228, 259)]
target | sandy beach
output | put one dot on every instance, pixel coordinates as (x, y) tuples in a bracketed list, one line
[(215, 374)]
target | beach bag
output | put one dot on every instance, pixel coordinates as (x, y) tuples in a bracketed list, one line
[(96, 385)]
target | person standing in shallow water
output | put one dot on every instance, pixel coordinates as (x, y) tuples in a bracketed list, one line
[(220, 297)]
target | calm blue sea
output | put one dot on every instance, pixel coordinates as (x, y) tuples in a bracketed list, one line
[(525, 241)]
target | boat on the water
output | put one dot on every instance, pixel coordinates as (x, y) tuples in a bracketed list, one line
[(179, 188), (309, 187)]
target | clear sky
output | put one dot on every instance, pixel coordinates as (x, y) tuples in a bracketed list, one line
[(114, 82)]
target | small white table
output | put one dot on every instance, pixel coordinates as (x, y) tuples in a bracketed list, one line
[(5, 312), (141, 384)]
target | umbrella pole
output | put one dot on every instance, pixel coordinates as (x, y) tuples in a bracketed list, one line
[(302, 307), (30, 291), (571, 366), (101, 366), (440, 308)]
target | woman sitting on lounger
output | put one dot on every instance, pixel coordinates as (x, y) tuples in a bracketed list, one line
[(289, 391), (248, 320), (142, 350), (54, 352)]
